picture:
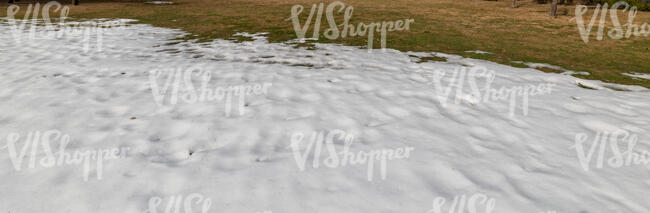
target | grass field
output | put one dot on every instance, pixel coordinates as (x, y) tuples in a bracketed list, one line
[(526, 33)]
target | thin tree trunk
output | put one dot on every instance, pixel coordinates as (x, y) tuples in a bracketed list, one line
[(514, 3), (554, 8)]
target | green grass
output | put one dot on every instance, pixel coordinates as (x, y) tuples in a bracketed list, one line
[(526, 33)]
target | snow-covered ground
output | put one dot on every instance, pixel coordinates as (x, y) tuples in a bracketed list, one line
[(244, 153)]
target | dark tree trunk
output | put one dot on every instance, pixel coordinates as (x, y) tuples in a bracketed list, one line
[(554, 8), (75, 2)]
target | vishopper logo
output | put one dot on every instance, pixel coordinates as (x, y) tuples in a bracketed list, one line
[(476, 203), (53, 31), (179, 86), (180, 204), (614, 142), (484, 93), (334, 32), (49, 158), (33, 11), (345, 157), (617, 32)]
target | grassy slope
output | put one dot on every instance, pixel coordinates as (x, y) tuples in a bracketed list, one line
[(526, 33)]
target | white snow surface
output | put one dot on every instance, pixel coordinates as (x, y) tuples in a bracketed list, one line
[(244, 163), (478, 52), (638, 75)]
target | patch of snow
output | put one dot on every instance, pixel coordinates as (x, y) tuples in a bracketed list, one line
[(541, 65), (544, 65), (160, 2), (638, 75), (571, 72), (478, 52)]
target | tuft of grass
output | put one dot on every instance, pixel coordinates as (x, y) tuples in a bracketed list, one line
[(306, 45), (428, 58), (518, 65), (547, 69)]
